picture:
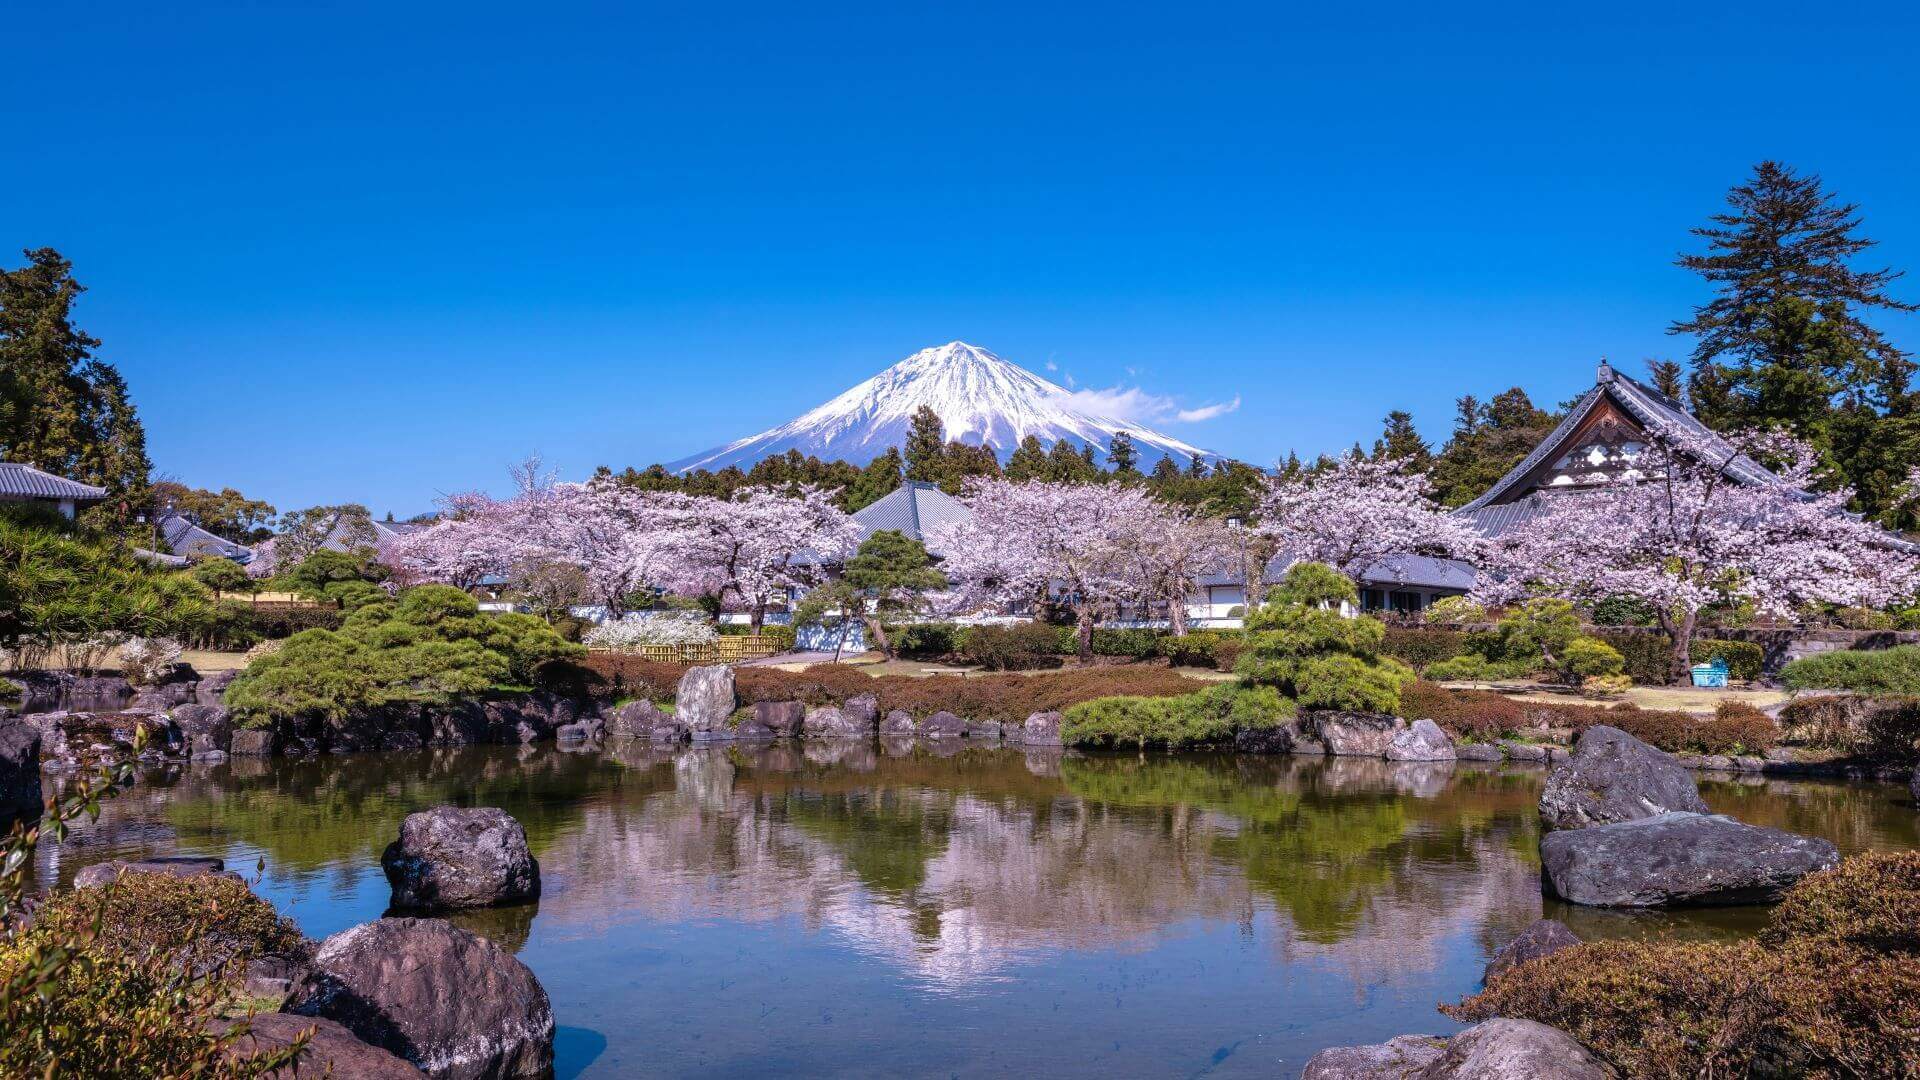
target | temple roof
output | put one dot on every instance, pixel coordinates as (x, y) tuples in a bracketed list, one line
[(912, 508), (22, 481)]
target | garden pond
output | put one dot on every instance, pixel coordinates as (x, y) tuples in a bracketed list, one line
[(921, 909)]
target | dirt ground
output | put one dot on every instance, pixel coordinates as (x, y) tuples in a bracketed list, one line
[(1671, 698)]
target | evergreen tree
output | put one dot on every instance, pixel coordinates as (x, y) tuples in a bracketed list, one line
[(1196, 468), (1028, 461), (964, 461), (1125, 458), (1398, 439), (881, 476), (926, 447), (1669, 378), (894, 574), (60, 408), (1488, 440), (1785, 343), (1065, 465)]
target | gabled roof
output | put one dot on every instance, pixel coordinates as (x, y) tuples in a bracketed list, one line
[(1652, 409), (1392, 572), (19, 481), (184, 538), (913, 508)]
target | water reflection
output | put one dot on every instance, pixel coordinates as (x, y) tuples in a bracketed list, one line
[(1007, 884)]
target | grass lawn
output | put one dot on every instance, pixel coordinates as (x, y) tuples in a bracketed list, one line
[(206, 660), (1668, 698)]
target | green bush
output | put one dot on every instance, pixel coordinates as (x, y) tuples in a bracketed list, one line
[(1884, 671), (274, 621), (1588, 657), (1301, 644), (430, 647), (1454, 609), (1831, 988), (1623, 611), (60, 586), (1418, 647), (1136, 642), (1746, 660), (1473, 667), (1536, 629), (1209, 718), (926, 641), (1015, 647)]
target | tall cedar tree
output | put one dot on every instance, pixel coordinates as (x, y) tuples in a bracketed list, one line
[(1028, 461), (1668, 377), (1398, 439), (895, 574), (926, 446), (1785, 343), (60, 408), (1488, 439), (1124, 458)]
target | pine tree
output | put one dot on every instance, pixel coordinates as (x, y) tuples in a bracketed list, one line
[(1487, 441), (1065, 465), (881, 476), (1669, 378), (926, 447), (1398, 439), (1197, 468), (1122, 455), (61, 409), (1028, 460), (1785, 342)]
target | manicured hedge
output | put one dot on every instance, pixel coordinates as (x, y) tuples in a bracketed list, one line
[(1855, 724), (979, 697), (1482, 716), (1882, 671), (1648, 655), (1830, 989), (1418, 647), (273, 621), (1209, 718)]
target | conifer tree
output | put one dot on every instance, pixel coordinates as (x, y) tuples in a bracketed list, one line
[(1398, 439), (1028, 461), (926, 447), (1123, 456), (1668, 377)]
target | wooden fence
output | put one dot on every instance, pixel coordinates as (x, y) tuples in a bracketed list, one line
[(728, 649)]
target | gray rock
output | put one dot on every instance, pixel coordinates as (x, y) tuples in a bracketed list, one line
[(179, 866), (453, 857), (828, 722), (1355, 734), (636, 719), (1275, 739), (1614, 777), (986, 730), (1479, 752), (863, 712), (1422, 741), (331, 1050), (706, 698), (1543, 938), (941, 725), (579, 731), (212, 688), (897, 723), (205, 729), (252, 742), (1401, 1058), (1040, 729), (454, 1004), (751, 730), (783, 718), (1504, 1049), (1678, 859), (1520, 751), (20, 795)]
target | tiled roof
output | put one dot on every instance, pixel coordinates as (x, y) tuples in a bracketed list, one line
[(183, 537), (1651, 408), (914, 509), (1392, 572), (19, 481)]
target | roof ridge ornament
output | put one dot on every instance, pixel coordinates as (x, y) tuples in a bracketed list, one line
[(1605, 374)]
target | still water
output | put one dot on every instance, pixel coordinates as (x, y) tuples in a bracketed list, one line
[(913, 910)]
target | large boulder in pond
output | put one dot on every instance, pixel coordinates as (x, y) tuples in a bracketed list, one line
[(941, 725), (1400, 1058), (331, 1050), (830, 722), (1678, 859), (1543, 938), (1613, 777), (863, 712), (1504, 1049), (454, 857), (1040, 729), (1422, 741), (451, 1002), (19, 770), (706, 698), (206, 730), (1349, 734), (783, 718)]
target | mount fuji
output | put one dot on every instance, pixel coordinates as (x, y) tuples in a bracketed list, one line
[(980, 398)]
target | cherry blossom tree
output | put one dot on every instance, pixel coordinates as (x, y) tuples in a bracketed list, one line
[(752, 548), (1028, 542), (1359, 511), (1695, 522), (1169, 548)]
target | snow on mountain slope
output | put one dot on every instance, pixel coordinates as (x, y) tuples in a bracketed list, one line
[(981, 399)]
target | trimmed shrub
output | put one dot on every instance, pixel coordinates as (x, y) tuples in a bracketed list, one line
[(1746, 660), (1854, 723), (1209, 718), (206, 923), (1473, 667), (1016, 647), (1473, 715), (1646, 655), (1605, 686), (1301, 645), (1737, 728), (928, 641), (1454, 609), (1418, 647), (1587, 657), (1883, 671), (1830, 989), (275, 621)]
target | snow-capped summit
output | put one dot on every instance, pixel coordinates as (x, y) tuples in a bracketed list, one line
[(980, 398)]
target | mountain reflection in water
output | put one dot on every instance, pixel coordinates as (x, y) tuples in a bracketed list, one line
[(910, 909)]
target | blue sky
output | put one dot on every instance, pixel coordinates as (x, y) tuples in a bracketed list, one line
[(377, 252)]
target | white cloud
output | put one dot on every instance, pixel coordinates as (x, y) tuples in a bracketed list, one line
[(1119, 402), (1051, 366), (1207, 412)]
